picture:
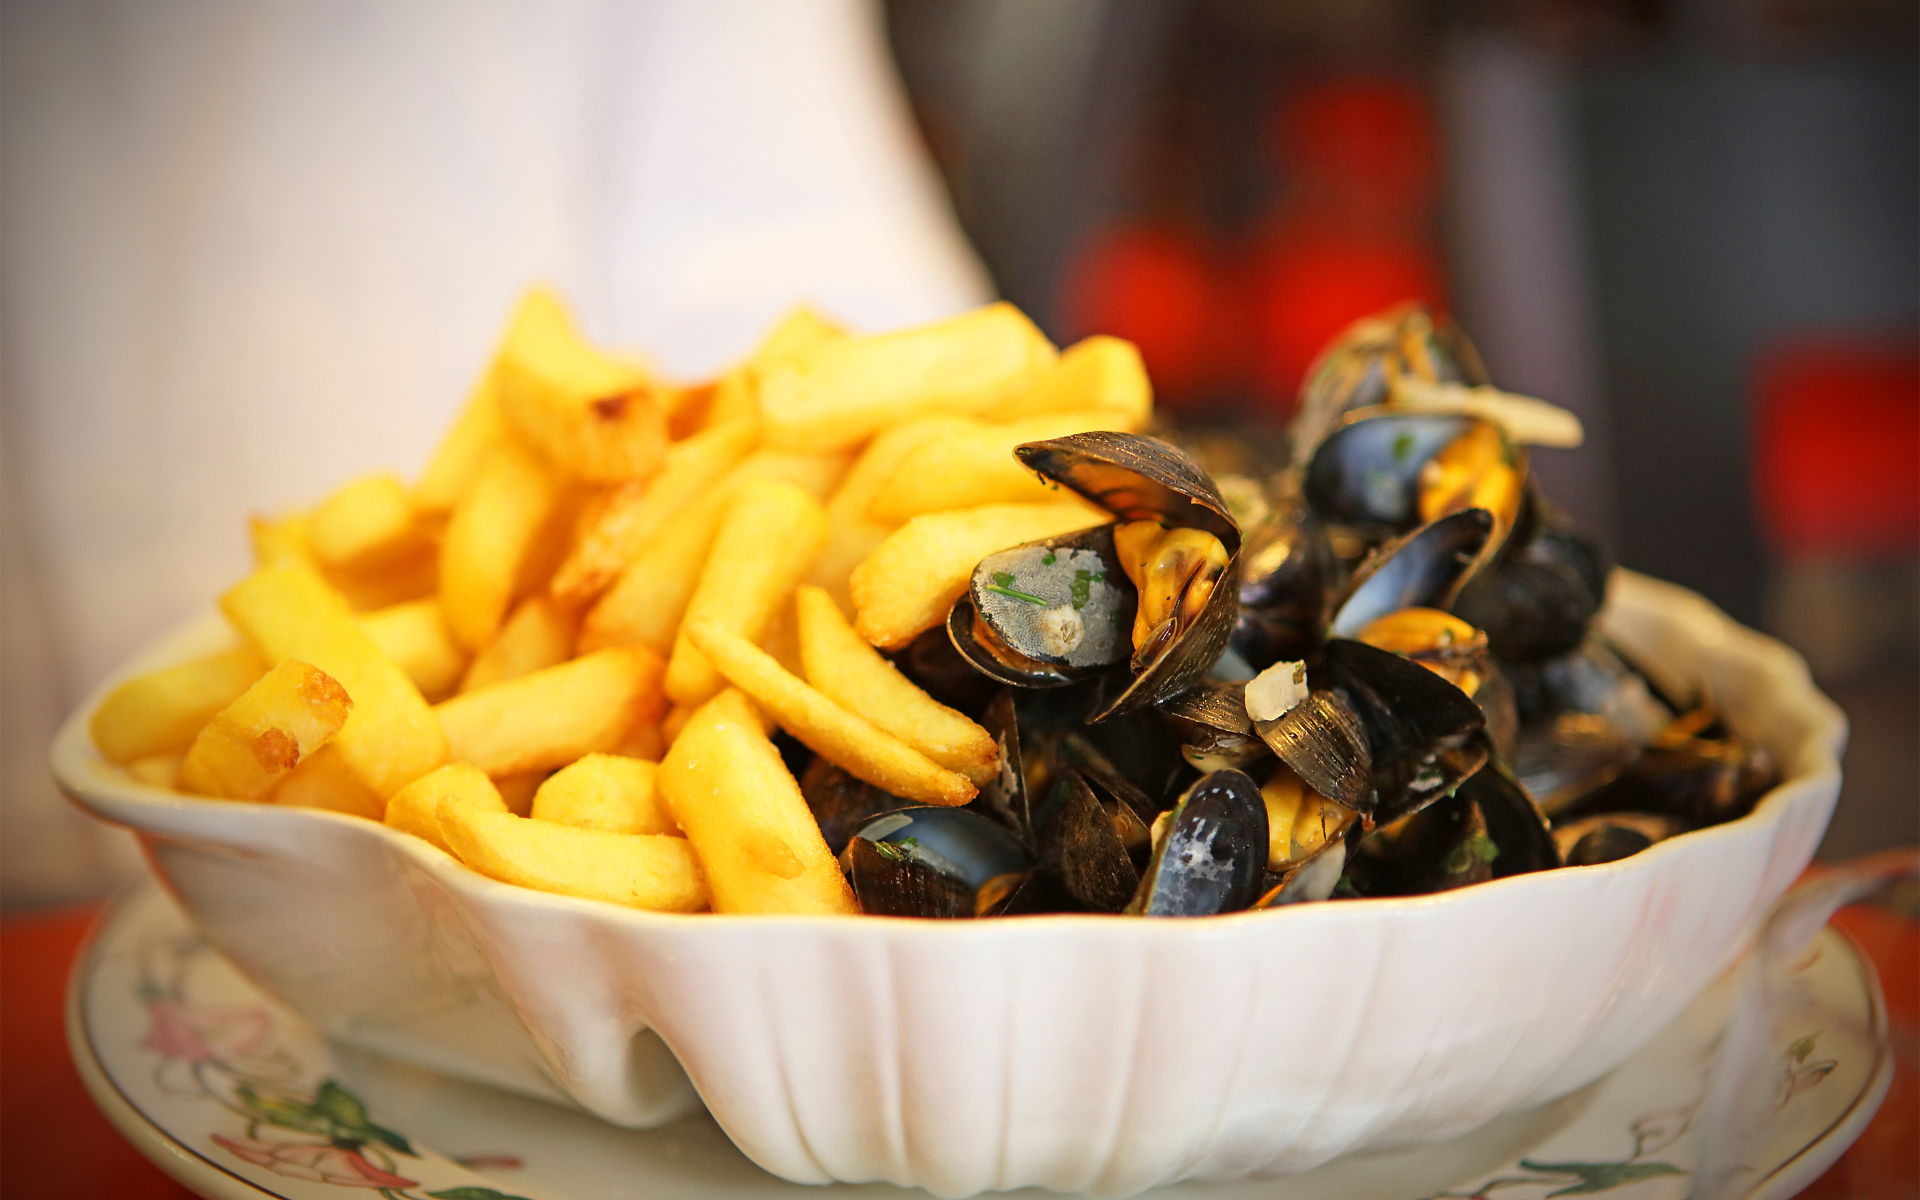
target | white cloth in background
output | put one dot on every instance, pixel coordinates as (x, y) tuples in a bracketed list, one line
[(253, 249)]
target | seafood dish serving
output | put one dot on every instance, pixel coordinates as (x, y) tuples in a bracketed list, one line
[(841, 632)]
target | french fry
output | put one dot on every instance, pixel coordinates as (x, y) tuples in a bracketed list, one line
[(518, 789), (161, 711), (765, 544), (365, 521), (908, 584), (977, 466), (605, 791), (412, 573), (536, 635), (325, 780), (597, 419), (635, 869), (644, 606), (258, 738), (851, 533), (392, 738), (280, 541), (736, 395), (853, 674), (841, 392), (491, 536), (1097, 372), (415, 808), (552, 716), (836, 733), (636, 511), (457, 461), (757, 841), (645, 742), (415, 636), (157, 770)]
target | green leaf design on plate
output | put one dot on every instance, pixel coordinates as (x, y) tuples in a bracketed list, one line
[(284, 1113), (474, 1193), (1800, 1049), (1600, 1177), (343, 1110)]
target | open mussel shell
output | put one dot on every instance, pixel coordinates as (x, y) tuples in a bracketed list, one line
[(1004, 796), (1443, 846), (1424, 569), (842, 803), (1610, 837), (1139, 478), (1212, 858), (1531, 610), (1592, 679), (1211, 721), (1359, 368), (1286, 570), (1048, 612), (1520, 832), (1323, 739), (1567, 758), (1082, 849), (1367, 472), (889, 858), (1314, 879), (1421, 730)]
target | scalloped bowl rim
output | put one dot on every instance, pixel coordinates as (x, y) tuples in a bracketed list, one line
[(110, 793)]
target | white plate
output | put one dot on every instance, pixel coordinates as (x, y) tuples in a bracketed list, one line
[(228, 1092)]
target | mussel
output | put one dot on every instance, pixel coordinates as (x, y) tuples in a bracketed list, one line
[(1047, 613), (1176, 543), (1212, 855), (930, 861), (1363, 366)]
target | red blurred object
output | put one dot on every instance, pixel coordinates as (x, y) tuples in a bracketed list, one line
[(1369, 138), (1153, 284), (1837, 446), (1308, 286)]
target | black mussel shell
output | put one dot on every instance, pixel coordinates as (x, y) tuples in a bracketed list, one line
[(1211, 721), (1424, 569), (1593, 679), (1367, 472), (1057, 608), (842, 803), (1699, 781), (957, 842), (1004, 796), (1139, 478), (1587, 556), (1496, 701), (933, 663), (1213, 856), (1323, 739), (1610, 837), (1081, 848), (1358, 368), (1141, 748), (1441, 847), (1567, 758), (892, 883), (1530, 610), (1421, 729), (1515, 823), (1286, 570)]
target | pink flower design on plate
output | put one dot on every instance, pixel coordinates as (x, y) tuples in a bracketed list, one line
[(320, 1162), (204, 1033)]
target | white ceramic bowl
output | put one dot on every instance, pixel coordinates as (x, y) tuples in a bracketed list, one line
[(1083, 1054)]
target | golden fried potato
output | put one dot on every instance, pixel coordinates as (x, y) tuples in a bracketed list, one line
[(756, 839), (837, 734), (852, 534), (635, 869), (280, 541), (491, 537), (161, 711), (536, 635), (415, 808), (1099, 372), (325, 780), (736, 394), (365, 521), (644, 606), (909, 583), (392, 737), (605, 791), (518, 789), (853, 674), (415, 636), (550, 717), (457, 462), (412, 573), (841, 392), (764, 546), (157, 770), (638, 510), (977, 466), (597, 419), (258, 738)]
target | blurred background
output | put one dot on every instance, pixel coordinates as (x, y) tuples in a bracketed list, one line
[(250, 250), (1694, 222)]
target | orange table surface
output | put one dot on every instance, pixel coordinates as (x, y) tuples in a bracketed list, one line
[(55, 1144)]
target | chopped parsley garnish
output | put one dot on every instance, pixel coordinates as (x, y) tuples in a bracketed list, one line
[(1000, 587), (1082, 587), (1049, 559), (1402, 446)]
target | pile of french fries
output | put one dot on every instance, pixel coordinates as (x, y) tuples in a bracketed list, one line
[(559, 655)]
